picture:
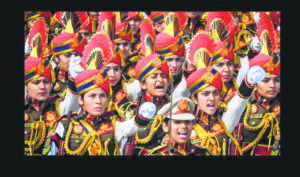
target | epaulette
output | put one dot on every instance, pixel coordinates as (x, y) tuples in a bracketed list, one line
[(222, 107), (159, 149), (128, 79), (52, 97), (235, 73), (127, 105), (73, 115)]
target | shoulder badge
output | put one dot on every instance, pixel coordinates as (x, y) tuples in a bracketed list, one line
[(50, 117), (276, 110), (105, 128), (254, 108), (26, 117), (119, 96), (77, 129)]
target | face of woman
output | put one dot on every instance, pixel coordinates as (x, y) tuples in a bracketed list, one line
[(63, 60), (114, 73), (225, 68), (124, 46), (94, 101), (175, 64), (160, 26), (269, 86), (192, 14), (136, 24), (39, 88), (180, 130), (155, 84), (207, 100), (86, 34)]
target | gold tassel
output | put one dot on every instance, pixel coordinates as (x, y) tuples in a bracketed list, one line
[(105, 146), (224, 146), (158, 119)]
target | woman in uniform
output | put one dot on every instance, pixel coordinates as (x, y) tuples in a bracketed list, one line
[(215, 122)]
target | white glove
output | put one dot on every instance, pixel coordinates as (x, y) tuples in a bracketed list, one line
[(147, 110), (255, 45), (74, 67), (256, 17), (255, 75), (27, 48)]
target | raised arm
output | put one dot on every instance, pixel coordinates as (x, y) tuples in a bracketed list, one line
[(238, 103), (70, 102), (129, 127)]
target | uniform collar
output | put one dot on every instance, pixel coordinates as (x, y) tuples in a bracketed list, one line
[(261, 100), (37, 105), (62, 75), (183, 149), (152, 99), (90, 118), (117, 87)]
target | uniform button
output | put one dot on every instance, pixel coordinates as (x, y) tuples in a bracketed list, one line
[(77, 141), (25, 132), (253, 123)]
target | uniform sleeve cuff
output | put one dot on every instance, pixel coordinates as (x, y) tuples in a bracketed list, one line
[(141, 121), (245, 89), (71, 85)]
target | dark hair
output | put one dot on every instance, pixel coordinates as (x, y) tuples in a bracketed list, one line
[(166, 120), (82, 96), (195, 96)]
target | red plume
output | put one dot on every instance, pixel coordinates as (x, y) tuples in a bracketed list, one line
[(202, 40), (98, 50), (265, 23), (40, 27), (182, 21), (147, 38), (227, 19), (107, 23), (80, 20)]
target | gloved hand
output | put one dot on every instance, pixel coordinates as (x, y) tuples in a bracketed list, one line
[(255, 45), (147, 110), (256, 17), (27, 48), (255, 75), (74, 67)]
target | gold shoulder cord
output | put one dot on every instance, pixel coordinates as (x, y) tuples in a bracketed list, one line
[(84, 145), (207, 139), (87, 142), (117, 150), (39, 127), (268, 117), (230, 136), (158, 119)]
